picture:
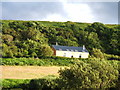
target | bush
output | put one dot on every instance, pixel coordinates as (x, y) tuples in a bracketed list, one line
[(46, 83), (14, 83), (112, 57), (45, 50), (45, 61), (43, 84), (94, 74), (97, 53)]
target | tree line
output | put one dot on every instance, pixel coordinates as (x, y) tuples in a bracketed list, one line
[(34, 38)]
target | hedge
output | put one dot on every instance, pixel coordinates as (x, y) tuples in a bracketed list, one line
[(37, 62)]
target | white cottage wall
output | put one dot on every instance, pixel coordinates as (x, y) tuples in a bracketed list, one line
[(70, 54)]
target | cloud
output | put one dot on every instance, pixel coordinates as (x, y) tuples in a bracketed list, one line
[(119, 13), (0, 10), (31, 10), (74, 12), (105, 12), (59, 0), (55, 17), (78, 12)]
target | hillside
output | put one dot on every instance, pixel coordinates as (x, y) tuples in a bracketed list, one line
[(33, 38)]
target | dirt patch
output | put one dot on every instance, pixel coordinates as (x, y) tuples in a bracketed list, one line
[(28, 72)]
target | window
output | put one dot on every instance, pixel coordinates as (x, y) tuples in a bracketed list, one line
[(67, 49), (72, 56), (60, 49), (80, 56), (64, 55), (71, 50), (76, 50), (83, 50)]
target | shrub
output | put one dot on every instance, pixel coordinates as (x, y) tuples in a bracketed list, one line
[(97, 53), (45, 50), (14, 83), (7, 38), (38, 62), (43, 84), (94, 74), (112, 57)]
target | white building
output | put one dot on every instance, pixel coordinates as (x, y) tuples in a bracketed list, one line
[(66, 51)]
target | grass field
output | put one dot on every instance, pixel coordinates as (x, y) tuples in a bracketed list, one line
[(28, 72)]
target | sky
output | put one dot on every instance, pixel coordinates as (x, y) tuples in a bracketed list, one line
[(62, 11)]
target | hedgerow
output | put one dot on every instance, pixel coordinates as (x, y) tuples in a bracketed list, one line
[(37, 62), (50, 61)]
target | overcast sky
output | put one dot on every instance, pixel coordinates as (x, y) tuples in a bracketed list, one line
[(105, 12)]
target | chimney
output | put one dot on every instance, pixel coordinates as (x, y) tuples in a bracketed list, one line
[(56, 44), (83, 48)]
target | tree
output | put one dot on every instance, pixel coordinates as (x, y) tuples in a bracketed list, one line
[(9, 54), (33, 34), (7, 38), (93, 41), (97, 53), (96, 74), (115, 42), (34, 55), (45, 50), (30, 35)]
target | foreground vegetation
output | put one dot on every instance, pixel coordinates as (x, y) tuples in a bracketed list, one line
[(94, 73)]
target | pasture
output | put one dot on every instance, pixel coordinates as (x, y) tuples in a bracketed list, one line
[(29, 72)]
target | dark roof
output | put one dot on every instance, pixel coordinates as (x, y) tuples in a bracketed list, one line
[(69, 48)]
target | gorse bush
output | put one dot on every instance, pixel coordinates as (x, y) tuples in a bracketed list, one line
[(94, 74)]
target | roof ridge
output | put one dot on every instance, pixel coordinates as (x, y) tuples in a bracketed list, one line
[(70, 48), (65, 46)]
